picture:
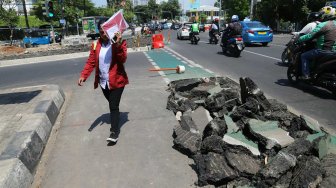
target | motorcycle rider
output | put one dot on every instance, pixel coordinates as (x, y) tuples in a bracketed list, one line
[(233, 29), (214, 28), (325, 35), (313, 19), (194, 29)]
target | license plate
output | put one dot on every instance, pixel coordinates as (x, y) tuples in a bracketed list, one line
[(262, 33), (239, 42)]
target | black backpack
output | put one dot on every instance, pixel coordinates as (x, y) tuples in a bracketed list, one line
[(236, 28)]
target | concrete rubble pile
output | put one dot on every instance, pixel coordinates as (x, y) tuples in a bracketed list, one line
[(238, 137)]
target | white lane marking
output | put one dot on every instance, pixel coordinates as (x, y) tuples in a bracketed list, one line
[(188, 61), (277, 45), (255, 53), (157, 67), (263, 55)]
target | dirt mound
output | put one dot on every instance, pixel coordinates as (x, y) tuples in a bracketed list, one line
[(8, 50)]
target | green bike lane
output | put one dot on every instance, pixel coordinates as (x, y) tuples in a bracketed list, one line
[(162, 58)]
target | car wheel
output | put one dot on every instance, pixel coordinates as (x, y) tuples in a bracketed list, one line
[(264, 43)]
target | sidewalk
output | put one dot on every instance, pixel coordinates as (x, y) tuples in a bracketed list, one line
[(143, 156), (26, 119)]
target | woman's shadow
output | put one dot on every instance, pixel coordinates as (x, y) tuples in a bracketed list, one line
[(105, 118)]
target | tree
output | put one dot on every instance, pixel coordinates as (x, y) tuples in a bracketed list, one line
[(170, 9), (9, 18), (154, 8), (73, 10), (240, 8), (142, 13)]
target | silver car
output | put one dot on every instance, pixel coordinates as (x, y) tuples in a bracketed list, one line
[(184, 31)]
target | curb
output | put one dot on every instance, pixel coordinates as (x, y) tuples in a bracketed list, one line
[(15, 62), (21, 155)]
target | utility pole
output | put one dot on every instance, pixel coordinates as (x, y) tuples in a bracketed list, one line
[(251, 9), (220, 13)]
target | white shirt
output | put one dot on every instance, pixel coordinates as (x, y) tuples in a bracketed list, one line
[(105, 59), (214, 26), (308, 28)]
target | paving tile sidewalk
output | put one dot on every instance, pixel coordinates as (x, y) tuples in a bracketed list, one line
[(26, 119)]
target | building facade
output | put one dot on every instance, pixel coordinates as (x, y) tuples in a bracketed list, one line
[(210, 11)]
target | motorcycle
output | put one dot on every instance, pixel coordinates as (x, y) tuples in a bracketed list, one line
[(214, 38), (287, 54), (234, 46), (194, 38), (322, 74)]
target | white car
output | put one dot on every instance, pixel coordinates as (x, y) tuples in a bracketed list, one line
[(183, 32)]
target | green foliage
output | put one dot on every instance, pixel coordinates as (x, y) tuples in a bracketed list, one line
[(170, 9), (33, 21), (240, 8), (8, 17), (203, 18), (73, 10)]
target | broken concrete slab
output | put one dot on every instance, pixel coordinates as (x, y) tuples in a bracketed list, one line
[(213, 169), (250, 89), (201, 118), (329, 165), (216, 127), (277, 167), (299, 147), (188, 124), (307, 173), (239, 183), (236, 137), (213, 144), (299, 124), (185, 85), (242, 161), (268, 132), (203, 90), (324, 143), (185, 141)]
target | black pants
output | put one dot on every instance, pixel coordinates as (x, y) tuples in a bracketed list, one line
[(113, 97)]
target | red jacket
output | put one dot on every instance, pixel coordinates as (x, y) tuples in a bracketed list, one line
[(117, 74)]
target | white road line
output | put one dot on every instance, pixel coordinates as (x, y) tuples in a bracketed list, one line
[(277, 45), (263, 55), (188, 61), (157, 67), (257, 53)]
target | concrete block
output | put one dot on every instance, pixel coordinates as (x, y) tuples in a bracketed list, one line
[(271, 131), (201, 118), (57, 95), (26, 146), (14, 174), (48, 107), (40, 123)]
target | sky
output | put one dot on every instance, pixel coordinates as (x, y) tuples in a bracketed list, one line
[(99, 3)]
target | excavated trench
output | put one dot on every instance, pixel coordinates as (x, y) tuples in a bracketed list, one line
[(239, 138)]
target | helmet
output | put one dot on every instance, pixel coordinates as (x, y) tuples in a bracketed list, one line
[(216, 20), (314, 16), (328, 13), (234, 18)]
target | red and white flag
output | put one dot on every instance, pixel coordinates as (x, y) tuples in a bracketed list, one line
[(116, 23)]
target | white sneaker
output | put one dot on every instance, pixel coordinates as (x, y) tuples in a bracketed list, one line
[(113, 138)]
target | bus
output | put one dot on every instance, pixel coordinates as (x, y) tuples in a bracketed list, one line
[(90, 28)]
